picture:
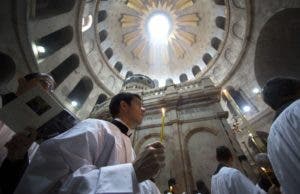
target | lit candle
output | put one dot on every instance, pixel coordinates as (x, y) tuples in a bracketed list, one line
[(266, 173), (162, 124)]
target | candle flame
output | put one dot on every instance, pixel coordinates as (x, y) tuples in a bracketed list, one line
[(250, 135), (224, 91), (263, 169)]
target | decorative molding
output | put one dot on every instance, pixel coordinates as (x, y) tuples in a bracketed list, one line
[(239, 4), (237, 30)]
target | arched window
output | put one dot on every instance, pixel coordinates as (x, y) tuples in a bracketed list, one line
[(195, 70), (63, 70), (51, 43), (129, 74), (8, 68), (102, 15), (118, 66), (87, 22), (237, 96), (81, 92), (101, 99), (219, 2), (220, 22), (156, 83), (215, 43), (169, 82), (183, 78), (206, 58), (109, 53), (49, 8), (103, 35)]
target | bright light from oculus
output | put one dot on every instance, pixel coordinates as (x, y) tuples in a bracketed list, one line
[(159, 27), (74, 103), (246, 108), (41, 49), (255, 90)]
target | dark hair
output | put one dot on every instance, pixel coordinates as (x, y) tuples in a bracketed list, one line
[(172, 182), (202, 188), (223, 154), (114, 106), (279, 91), (31, 76)]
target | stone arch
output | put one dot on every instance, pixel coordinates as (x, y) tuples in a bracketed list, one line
[(220, 22), (81, 91), (206, 58), (238, 98), (215, 43), (50, 8), (206, 136), (169, 82), (103, 35), (195, 70), (102, 15), (63, 70), (156, 83), (277, 54), (109, 53), (183, 78), (118, 66)]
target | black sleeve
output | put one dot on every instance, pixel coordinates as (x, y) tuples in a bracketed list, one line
[(11, 173), (6, 98)]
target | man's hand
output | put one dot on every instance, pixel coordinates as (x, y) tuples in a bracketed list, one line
[(148, 163), (274, 190), (19, 144)]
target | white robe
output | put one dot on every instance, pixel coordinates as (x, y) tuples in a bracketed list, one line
[(284, 148), (92, 157), (232, 181)]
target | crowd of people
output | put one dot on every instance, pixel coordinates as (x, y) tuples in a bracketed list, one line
[(96, 156)]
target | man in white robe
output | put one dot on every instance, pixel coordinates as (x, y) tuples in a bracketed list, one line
[(283, 95), (228, 180), (96, 156)]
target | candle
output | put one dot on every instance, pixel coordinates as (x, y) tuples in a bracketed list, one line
[(266, 173), (162, 124)]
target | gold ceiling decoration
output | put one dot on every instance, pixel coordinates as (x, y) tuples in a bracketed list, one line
[(179, 38)]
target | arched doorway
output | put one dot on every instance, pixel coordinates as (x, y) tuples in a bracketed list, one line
[(278, 47)]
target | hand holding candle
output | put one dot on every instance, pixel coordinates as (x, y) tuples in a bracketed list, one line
[(266, 173)]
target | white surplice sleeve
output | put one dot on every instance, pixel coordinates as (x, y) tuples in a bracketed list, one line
[(240, 184), (75, 162), (284, 148)]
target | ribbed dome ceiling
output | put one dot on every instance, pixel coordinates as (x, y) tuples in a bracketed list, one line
[(194, 37)]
